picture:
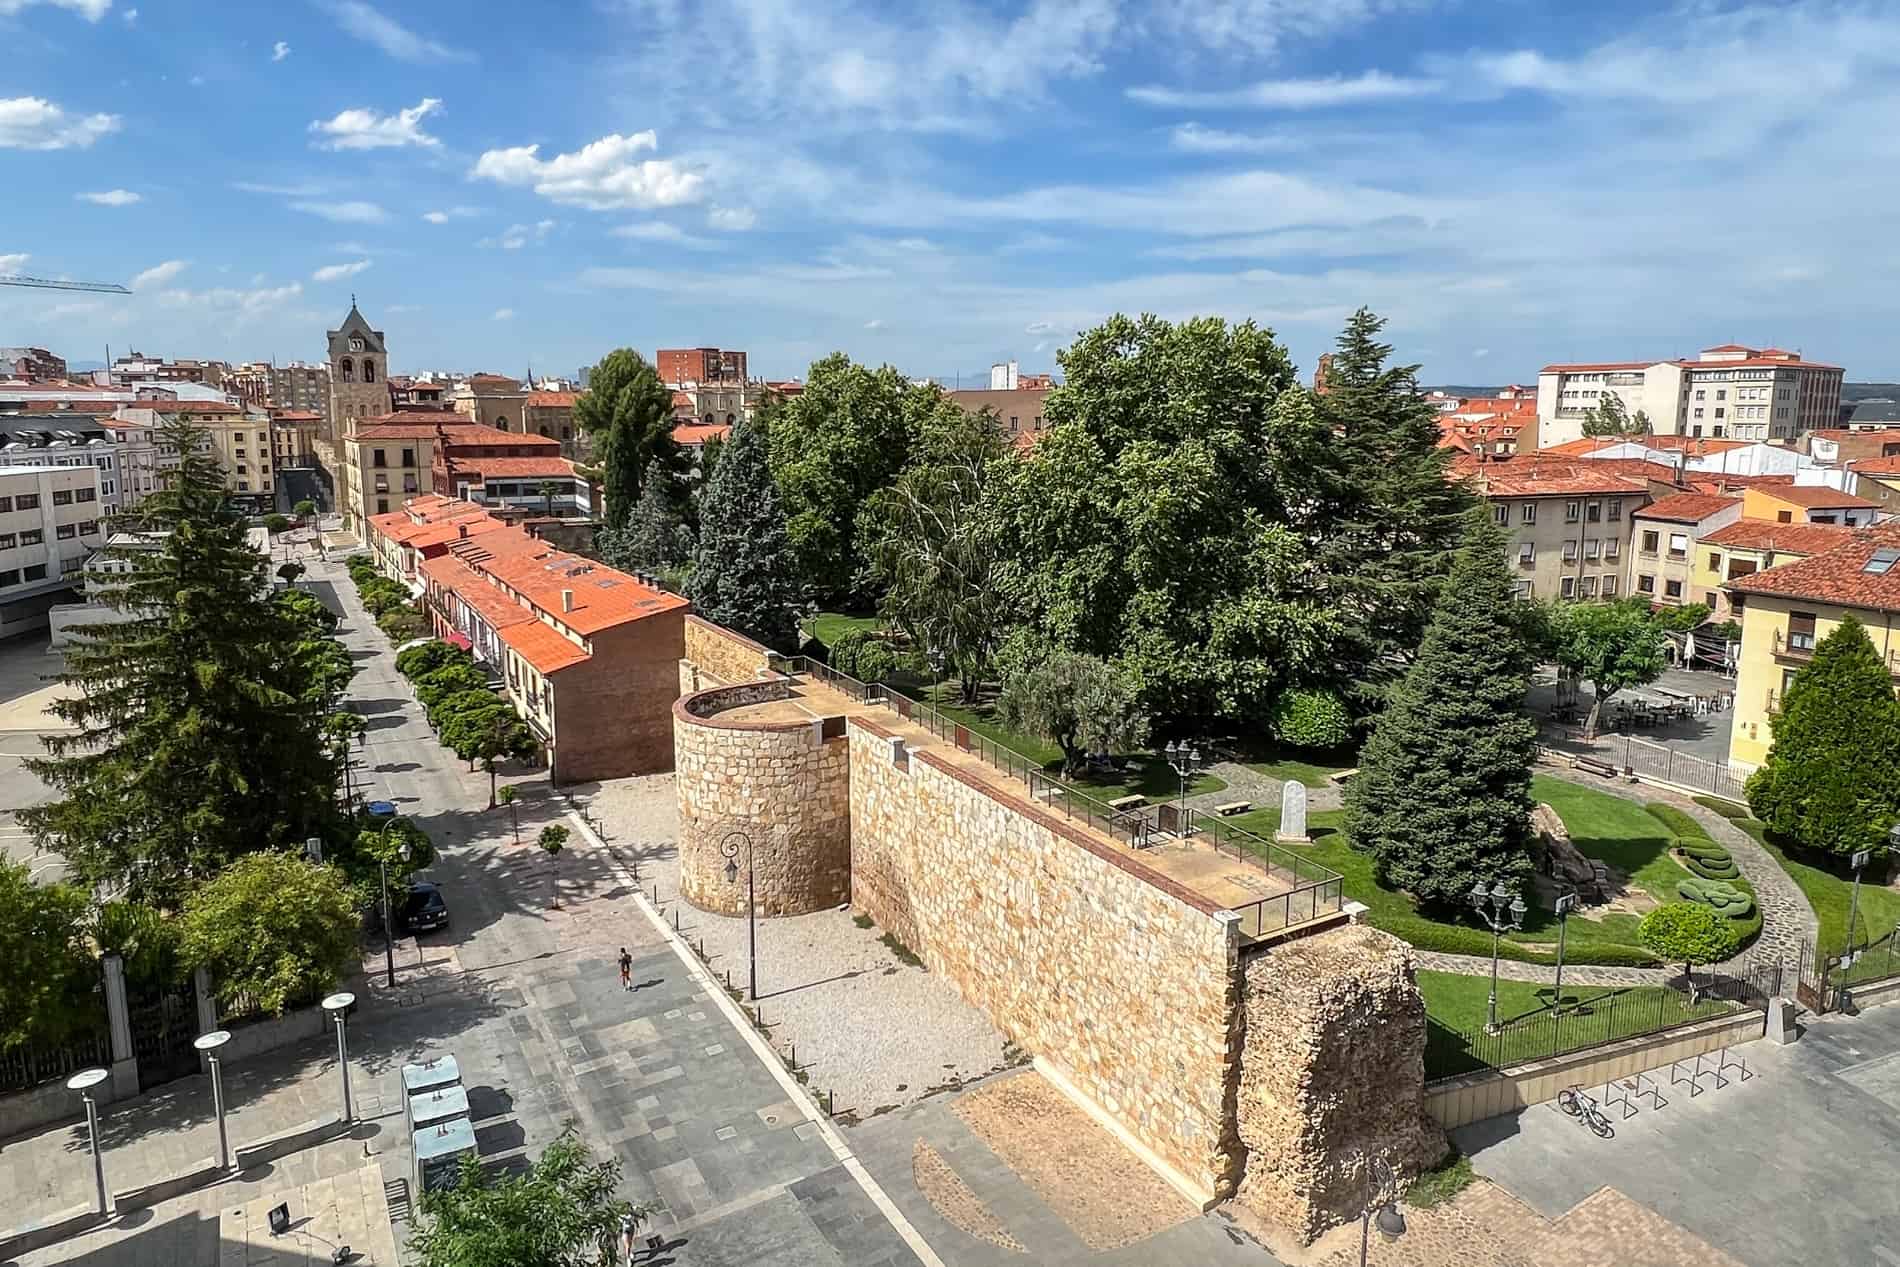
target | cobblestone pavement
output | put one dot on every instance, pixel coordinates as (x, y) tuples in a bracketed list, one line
[(1788, 1168), (1247, 784)]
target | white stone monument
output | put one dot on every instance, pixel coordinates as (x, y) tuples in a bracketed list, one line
[(1293, 813)]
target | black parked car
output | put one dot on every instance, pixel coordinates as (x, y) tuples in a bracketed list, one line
[(423, 910)]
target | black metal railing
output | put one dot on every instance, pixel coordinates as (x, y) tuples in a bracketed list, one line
[(29, 1064), (1314, 890)]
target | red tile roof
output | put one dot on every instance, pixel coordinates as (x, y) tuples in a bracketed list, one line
[(553, 400), (1838, 575), (693, 434), (515, 468), (1817, 497), (1688, 508), (494, 607), (1531, 478), (1876, 466), (1766, 534), (409, 427), (1728, 347), (544, 648)]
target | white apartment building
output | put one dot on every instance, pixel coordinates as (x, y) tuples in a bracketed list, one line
[(49, 526), (1729, 391), (65, 439)]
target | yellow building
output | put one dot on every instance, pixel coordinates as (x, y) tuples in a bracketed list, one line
[(1806, 504), (1748, 546), (238, 439), (1788, 610)]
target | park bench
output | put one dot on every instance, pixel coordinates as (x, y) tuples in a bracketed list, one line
[(1232, 808), (1339, 778), (1596, 765), (1133, 801)]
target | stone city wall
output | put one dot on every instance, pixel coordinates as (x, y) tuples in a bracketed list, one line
[(1332, 1067), (1122, 981), (783, 785), (721, 654)]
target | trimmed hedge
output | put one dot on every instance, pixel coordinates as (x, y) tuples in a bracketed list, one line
[(1679, 822), (1709, 870), (1727, 809), (1700, 847), (1719, 896), (1458, 939)]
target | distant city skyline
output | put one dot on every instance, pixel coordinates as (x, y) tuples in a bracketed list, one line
[(939, 188)]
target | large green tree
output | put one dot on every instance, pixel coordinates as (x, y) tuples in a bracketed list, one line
[(1612, 418), (1076, 702), (47, 990), (932, 549), (1832, 779), (564, 1212), (199, 720), (841, 439), (1366, 489), (656, 537), (629, 413), (1442, 797), (272, 926), (1612, 646), (745, 575), (1147, 525)]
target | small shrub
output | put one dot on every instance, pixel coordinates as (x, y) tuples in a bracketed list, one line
[(1452, 1175), (1713, 870), (1700, 847), (1679, 822), (876, 661), (1727, 809), (905, 954), (1718, 896), (1312, 719), (1687, 933), (842, 654)]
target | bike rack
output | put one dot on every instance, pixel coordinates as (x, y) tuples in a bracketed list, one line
[(1720, 1080), (1620, 1096), (1644, 1085), (1677, 1078), (1736, 1062)]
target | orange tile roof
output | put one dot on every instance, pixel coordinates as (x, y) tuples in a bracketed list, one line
[(553, 400), (452, 425), (515, 468), (1876, 466), (1688, 508), (1716, 482), (1766, 534), (1838, 575), (696, 433), (603, 597), (1555, 479), (456, 529), (1817, 497), (542, 647)]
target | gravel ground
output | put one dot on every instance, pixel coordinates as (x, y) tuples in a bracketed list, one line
[(871, 1030)]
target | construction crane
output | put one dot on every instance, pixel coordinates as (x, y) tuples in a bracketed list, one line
[(47, 283)]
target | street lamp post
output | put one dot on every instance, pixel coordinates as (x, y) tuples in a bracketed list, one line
[(209, 1044), (1566, 902), (337, 1005), (389, 929), (1185, 758), (1859, 862), (1382, 1184), (729, 849), (1504, 912), (83, 1082)]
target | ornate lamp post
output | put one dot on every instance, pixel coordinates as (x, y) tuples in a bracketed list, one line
[(389, 929), (1186, 760), (1382, 1190), (729, 849), (1504, 912)]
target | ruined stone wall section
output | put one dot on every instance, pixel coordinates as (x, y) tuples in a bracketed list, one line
[(1126, 986), (719, 653), (782, 785), (1332, 1067)]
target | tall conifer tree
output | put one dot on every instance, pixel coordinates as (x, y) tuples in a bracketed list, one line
[(1442, 797), (745, 575), (198, 721)]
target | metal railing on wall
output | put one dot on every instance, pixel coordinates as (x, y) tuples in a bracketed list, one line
[(1315, 890)]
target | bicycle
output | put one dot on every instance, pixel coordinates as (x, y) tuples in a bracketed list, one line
[(1578, 1103)]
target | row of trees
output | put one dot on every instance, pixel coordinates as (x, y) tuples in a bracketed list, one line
[(473, 722)]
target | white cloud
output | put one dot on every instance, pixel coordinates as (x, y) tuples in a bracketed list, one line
[(875, 323), (1192, 138), (516, 236), (91, 10), (240, 304), (279, 51), (452, 213), (660, 231), (436, 217), (1478, 354), (337, 272), (1263, 27), (14, 262), (503, 314), (1039, 327), (1293, 94), (158, 274), (34, 123), (602, 175), (286, 191), (395, 39), (353, 212), (364, 129), (197, 81), (732, 219), (111, 198), (130, 16)]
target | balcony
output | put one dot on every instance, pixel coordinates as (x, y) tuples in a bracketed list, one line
[(1794, 647)]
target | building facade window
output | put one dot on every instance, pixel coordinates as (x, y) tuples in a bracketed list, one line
[(1609, 587), (1646, 583), (1569, 588), (1572, 512), (1672, 589), (347, 368), (1801, 631), (1501, 514)]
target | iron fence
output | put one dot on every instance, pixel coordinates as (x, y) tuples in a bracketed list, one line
[(1874, 962), (1315, 890), (1659, 763), (29, 1064), (1609, 1017)]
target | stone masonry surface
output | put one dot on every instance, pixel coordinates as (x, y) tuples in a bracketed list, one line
[(1332, 1068), (724, 654), (778, 792), (1124, 986)]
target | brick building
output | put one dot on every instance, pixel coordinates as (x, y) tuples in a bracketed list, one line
[(699, 365), (588, 656)]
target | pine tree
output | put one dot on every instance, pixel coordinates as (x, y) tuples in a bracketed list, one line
[(656, 535), (1832, 778), (629, 411), (1368, 490), (1442, 797), (199, 720), (744, 573)]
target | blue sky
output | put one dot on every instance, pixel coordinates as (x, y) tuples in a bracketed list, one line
[(940, 185)]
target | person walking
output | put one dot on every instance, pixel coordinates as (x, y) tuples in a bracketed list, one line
[(626, 970)]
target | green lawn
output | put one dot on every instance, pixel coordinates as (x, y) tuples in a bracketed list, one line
[(1619, 832), (1457, 1005), (1829, 885), (1311, 768), (828, 627)]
